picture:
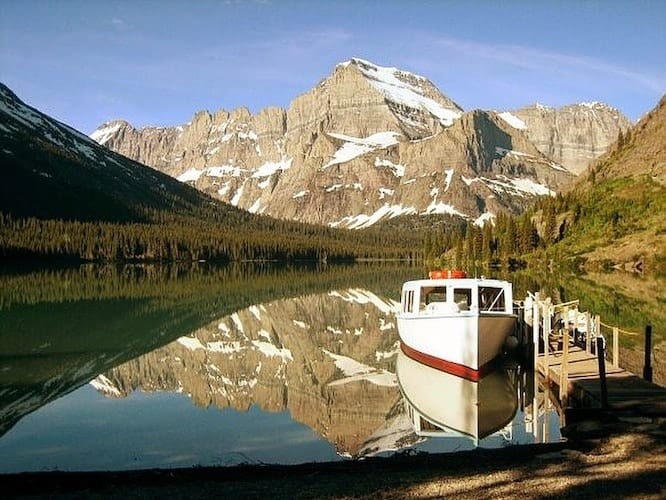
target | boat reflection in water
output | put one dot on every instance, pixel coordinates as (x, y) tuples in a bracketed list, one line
[(440, 404)]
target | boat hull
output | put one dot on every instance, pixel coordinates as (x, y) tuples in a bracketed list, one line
[(461, 344), (476, 409)]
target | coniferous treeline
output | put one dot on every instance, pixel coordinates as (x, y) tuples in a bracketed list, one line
[(580, 219), (189, 239), (500, 244)]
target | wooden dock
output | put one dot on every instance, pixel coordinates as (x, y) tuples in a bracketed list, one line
[(573, 374), (578, 382)]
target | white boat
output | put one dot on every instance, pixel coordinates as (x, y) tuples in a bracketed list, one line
[(443, 405), (454, 323)]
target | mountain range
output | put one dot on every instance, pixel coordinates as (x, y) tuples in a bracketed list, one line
[(369, 143), (65, 196)]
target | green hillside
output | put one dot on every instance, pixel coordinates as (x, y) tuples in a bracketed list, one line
[(616, 215)]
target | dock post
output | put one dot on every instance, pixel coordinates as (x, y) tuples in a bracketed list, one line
[(616, 347), (647, 366), (535, 325), (564, 371), (602, 371), (547, 311), (588, 332), (597, 328)]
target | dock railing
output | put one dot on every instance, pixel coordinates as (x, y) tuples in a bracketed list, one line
[(555, 321)]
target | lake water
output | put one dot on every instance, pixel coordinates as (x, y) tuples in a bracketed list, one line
[(129, 367)]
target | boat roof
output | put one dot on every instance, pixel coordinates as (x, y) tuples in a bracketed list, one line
[(459, 282)]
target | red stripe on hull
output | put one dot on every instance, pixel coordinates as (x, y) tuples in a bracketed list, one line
[(448, 366)]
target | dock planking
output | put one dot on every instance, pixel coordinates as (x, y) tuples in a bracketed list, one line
[(625, 390)]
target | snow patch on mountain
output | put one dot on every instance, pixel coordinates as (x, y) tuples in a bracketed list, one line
[(355, 372), (483, 218), (396, 169), (190, 343), (384, 192), (513, 120), (269, 168), (442, 208), (271, 351), (104, 385), (396, 434), (105, 132), (447, 181), (300, 194), (225, 347), (363, 297), (191, 175), (237, 196), (256, 207), (396, 90), (517, 186), (384, 212), (380, 377), (354, 147)]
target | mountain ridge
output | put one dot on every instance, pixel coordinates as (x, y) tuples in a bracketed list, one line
[(318, 160)]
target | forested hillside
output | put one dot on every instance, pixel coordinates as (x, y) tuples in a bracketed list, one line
[(616, 215), (65, 196)]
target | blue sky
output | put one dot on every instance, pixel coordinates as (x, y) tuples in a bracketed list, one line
[(155, 62)]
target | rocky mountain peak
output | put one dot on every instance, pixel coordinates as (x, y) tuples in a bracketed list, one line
[(107, 130), (408, 94), (573, 135)]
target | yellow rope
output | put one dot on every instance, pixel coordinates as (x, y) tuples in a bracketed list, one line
[(627, 332)]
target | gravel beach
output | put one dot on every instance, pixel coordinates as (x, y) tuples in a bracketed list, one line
[(627, 461)]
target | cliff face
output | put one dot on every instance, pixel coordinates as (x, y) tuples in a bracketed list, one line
[(369, 143), (573, 135)]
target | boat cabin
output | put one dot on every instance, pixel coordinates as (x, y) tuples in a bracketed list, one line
[(444, 296)]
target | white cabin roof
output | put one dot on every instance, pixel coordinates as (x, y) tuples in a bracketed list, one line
[(458, 283)]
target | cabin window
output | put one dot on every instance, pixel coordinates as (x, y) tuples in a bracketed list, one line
[(491, 299), (435, 294), (408, 301), (463, 298)]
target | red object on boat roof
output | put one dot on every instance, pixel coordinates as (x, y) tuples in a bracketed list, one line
[(447, 273)]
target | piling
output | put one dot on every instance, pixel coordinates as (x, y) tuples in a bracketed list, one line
[(616, 347), (647, 366), (601, 356), (564, 370)]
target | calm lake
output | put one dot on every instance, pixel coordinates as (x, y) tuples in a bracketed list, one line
[(142, 366)]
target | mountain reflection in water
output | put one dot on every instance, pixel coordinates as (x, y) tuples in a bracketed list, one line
[(301, 361)]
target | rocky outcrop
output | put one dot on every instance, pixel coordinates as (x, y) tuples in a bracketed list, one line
[(573, 135), (369, 143)]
